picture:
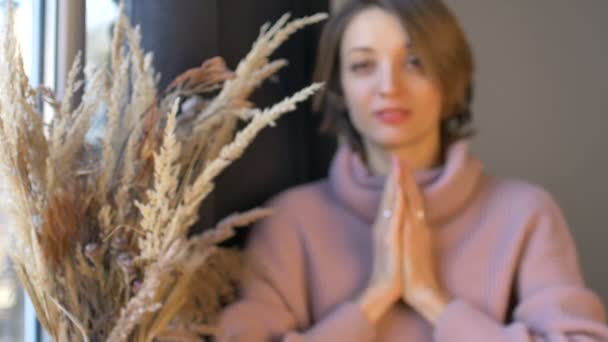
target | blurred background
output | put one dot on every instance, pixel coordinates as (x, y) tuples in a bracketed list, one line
[(541, 100), (541, 107)]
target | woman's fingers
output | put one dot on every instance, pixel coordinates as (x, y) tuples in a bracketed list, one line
[(388, 195), (391, 187), (415, 201), (397, 218)]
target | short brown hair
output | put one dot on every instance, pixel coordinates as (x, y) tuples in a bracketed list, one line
[(444, 53)]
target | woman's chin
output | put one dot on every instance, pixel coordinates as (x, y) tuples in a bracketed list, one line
[(395, 143)]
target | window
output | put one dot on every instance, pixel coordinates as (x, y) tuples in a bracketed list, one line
[(100, 17)]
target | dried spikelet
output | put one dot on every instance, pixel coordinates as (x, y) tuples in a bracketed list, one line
[(250, 72), (119, 119), (234, 150), (113, 137), (92, 98), (212, 287), (118, 37), (201, 81), (59, 126), (155, 213), (142, 303), (143, 75), (219, 138), (178, 292), (22, 125), (24, 147), (143, 100), (48, 96), (194, 253), (225, 228), (263, 73), (60, 225), (269, 40), (187, 213), (74, 320), (255, 60)]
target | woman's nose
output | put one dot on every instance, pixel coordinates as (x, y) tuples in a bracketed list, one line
[(390, 81)]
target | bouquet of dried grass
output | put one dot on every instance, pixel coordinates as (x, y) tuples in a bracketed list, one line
[(98, 235)]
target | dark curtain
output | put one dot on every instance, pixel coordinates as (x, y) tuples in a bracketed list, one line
[(182, 33)]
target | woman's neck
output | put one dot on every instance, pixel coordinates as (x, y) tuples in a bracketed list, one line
[(420, 155)]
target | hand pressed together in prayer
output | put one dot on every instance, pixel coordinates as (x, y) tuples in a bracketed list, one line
[(404, 265)]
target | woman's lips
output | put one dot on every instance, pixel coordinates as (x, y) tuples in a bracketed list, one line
[(393, 116)]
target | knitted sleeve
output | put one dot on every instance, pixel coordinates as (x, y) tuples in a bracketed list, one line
[(273, 304), (553, 302)]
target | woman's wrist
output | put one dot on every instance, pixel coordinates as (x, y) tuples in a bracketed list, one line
[(430, 304), (374, 303)]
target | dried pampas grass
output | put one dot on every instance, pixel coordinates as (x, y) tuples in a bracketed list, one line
[(98, 232)]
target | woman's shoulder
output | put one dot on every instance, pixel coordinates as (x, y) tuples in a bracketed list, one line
[(301, 198), (292, 209), (297, 205), (520, 194), (521, 210)]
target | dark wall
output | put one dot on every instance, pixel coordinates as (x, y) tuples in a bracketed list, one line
[(185, 32)]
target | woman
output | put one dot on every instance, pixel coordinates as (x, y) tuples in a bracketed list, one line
[(408, 239)]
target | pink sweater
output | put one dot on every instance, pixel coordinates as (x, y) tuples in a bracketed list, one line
[(505, 255)]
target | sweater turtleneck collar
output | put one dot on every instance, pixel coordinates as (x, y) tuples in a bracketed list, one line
[(446, 188)]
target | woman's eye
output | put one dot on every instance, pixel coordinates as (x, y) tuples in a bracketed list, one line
[(361, 66), (413, 62)]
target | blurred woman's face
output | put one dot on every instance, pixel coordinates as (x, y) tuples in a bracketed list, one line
[(391, 102)]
